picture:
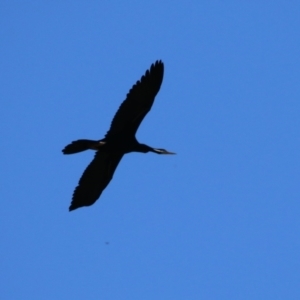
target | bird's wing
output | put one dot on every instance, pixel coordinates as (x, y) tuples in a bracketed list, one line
[(94, 179), (138, 101)]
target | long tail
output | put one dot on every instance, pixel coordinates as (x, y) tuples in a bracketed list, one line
[(78, 146)]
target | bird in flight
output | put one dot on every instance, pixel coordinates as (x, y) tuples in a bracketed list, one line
[(119, 140)]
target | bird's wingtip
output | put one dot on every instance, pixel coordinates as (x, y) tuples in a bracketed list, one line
[(72, 207)]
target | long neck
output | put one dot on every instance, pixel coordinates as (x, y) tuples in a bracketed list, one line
[(142, 148)]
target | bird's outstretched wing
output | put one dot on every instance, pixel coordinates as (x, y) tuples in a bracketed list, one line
[(94, 179), (138, 101)]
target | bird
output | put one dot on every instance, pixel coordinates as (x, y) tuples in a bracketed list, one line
[(119, 140)]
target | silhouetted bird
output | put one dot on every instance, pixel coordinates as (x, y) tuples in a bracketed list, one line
[(119, 140)]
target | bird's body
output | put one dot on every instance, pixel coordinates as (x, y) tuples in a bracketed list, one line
[(119, 140)]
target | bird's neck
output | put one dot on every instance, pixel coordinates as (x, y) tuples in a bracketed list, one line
[(142, 148)]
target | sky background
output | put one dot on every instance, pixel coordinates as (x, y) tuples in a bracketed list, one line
[(219, 220)]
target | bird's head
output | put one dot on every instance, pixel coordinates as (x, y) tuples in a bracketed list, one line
[(162, 151), (145, 148)]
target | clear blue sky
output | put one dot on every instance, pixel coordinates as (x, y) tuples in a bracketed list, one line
[(220, 220)]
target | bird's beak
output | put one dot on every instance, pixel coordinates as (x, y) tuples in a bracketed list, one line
[(167, 152)]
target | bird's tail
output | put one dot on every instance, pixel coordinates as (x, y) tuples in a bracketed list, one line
[(79, 146)]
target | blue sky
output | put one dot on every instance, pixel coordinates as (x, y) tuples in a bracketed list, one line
[(220, 220)]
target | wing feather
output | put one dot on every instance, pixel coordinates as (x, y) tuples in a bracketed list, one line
[(94, 179), (138, 101)]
